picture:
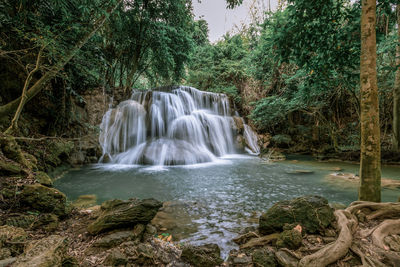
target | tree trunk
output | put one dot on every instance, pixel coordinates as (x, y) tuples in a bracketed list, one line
[(396, 91), (41, 83), (370, 165)]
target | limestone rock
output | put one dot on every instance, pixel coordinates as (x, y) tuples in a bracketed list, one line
[(46, 252), (312, 212), (202, 256), (118, 214), (44, 199)]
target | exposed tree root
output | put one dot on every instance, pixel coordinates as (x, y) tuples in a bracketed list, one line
[(336, 250), (388, 227), (367, 244)]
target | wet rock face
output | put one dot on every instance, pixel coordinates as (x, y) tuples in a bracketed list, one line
[(202, 256), (312, 212), (121, 214), (44, 199)]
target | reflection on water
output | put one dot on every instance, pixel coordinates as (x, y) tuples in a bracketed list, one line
[(221, 198)]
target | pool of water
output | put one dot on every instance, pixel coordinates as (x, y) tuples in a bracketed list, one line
[(212, 202)]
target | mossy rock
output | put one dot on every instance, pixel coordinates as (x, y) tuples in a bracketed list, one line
[(291, 239), (43, 179), (208, 255), (264, 257), (118, 214), (48, 221), (312, 212), (24, 221), (44, 199), (9, 166)]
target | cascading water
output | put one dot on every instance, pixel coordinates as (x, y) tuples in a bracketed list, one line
[(172, 126)]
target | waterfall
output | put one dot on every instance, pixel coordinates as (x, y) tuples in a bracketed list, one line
[(172, 126)]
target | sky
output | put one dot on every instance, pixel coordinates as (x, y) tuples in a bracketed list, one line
[(221, 20)]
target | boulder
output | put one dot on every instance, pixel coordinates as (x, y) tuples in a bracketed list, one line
[(43, 179), (116, 214), (44, 199), (312, 212), (264, 257), (114, 239), (291, 239), (208, 255), (115, 258), (47, 221), (46, 252)]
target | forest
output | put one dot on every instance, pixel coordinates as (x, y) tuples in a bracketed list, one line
[(128, 138)]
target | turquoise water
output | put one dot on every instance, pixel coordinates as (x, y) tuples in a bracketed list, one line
[(216, 200)]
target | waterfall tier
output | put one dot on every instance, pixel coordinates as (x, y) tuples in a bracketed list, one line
[(173, 126)]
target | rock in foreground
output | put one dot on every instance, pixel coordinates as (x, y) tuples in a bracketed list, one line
[(312, 212), (202, 256), (122, 214), (44, 199)]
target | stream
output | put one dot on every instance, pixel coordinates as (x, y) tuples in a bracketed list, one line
[(212, 202)]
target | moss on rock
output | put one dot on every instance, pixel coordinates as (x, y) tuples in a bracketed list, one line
[(118, 214), (312, 212), (43, 179), (208, 255), (44, 199)]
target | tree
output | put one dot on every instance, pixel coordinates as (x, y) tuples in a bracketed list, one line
[(64, 58), (148, 37), (396, 90), (370, 162)]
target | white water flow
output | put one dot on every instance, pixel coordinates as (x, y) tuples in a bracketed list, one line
[(172, 126)]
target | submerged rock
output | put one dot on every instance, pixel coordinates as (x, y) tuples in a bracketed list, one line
[(116, 214), (202, 256), (85, 201), (46, 252), (44, 199), (312, 212)]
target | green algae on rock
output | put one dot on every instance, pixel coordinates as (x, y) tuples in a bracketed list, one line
[(44, 199), (121, 214), (312, 212)]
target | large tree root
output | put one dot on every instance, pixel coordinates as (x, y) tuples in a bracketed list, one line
[(388, 227), (336, 250), (367, 243)]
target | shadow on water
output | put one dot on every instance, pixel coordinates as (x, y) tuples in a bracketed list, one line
[(212, 202)]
